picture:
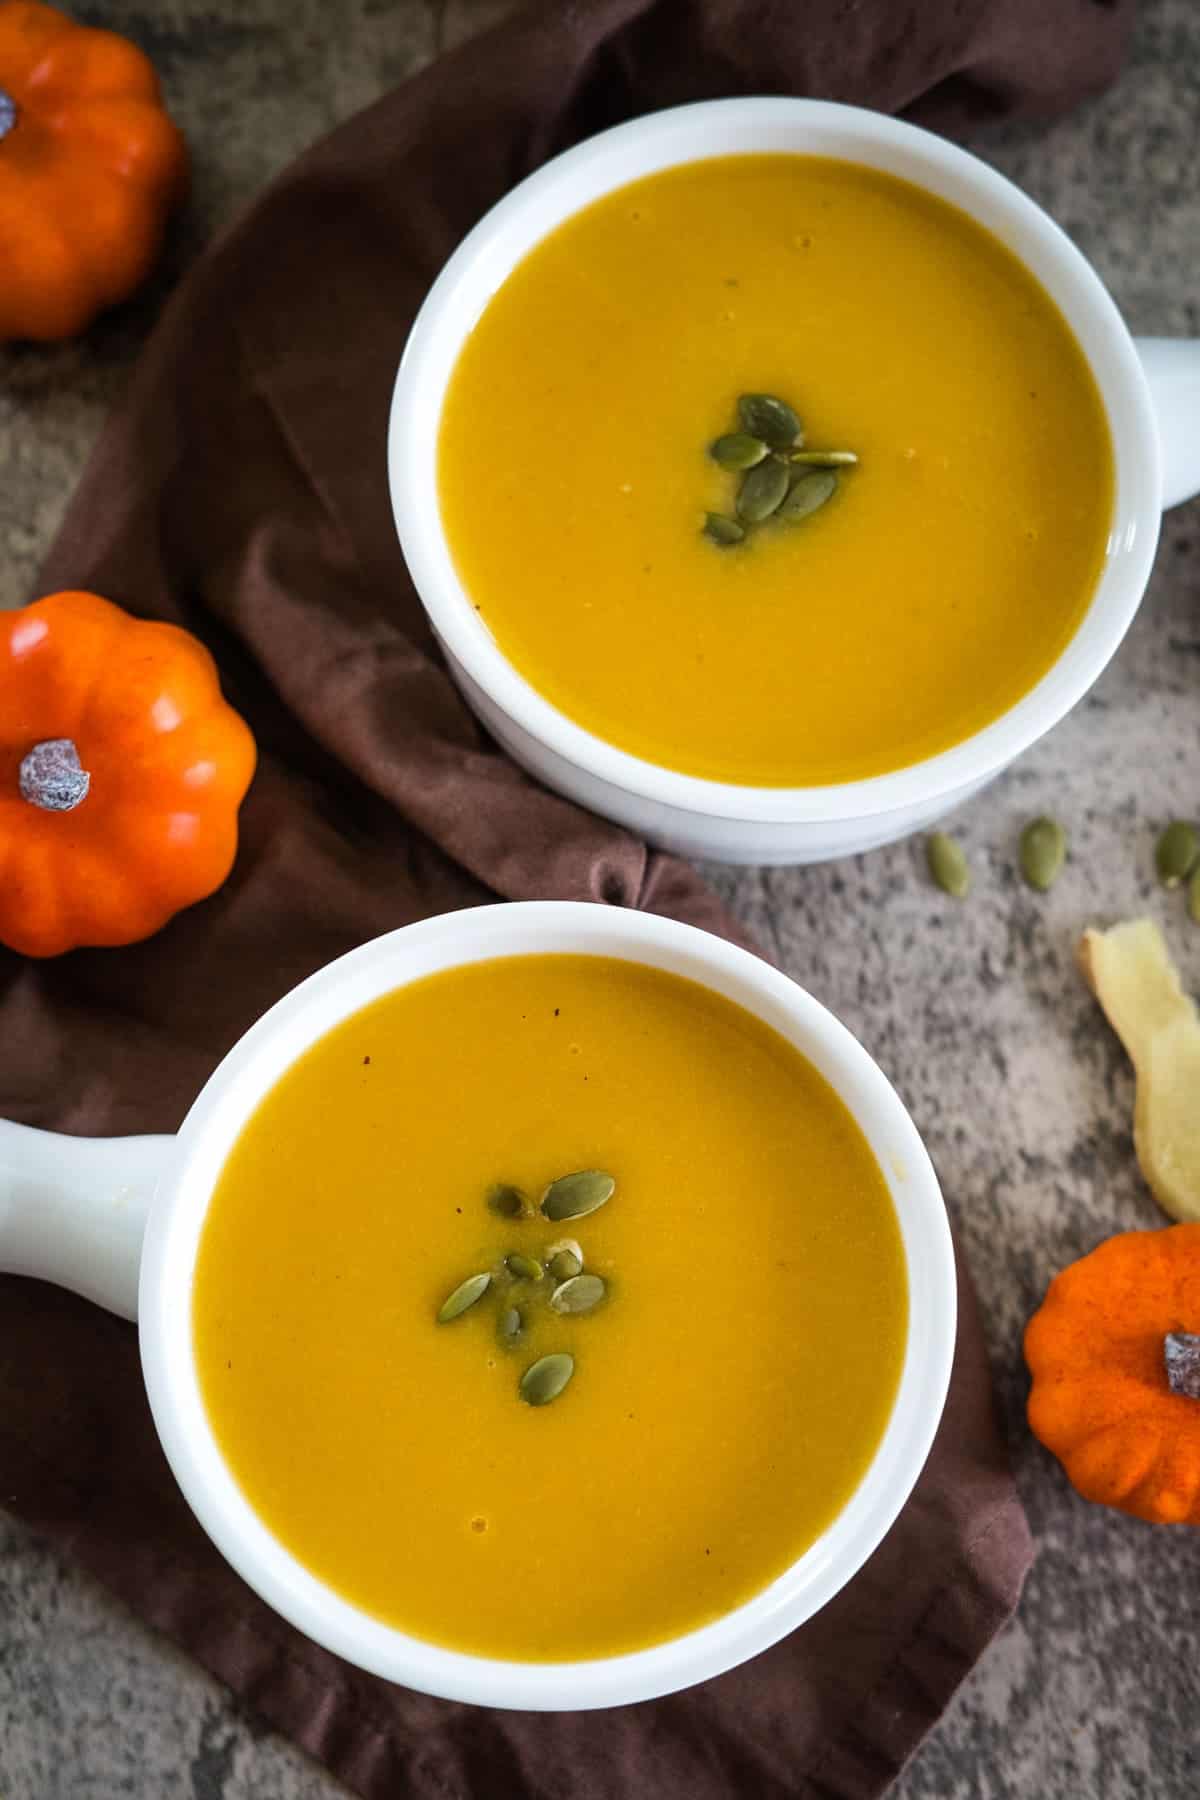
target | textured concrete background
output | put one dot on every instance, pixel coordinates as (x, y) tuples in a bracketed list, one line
[(974, 1010)]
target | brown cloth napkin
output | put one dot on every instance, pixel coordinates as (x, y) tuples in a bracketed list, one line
[(241, 492)]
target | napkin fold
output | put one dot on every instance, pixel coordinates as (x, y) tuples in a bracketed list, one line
[(240, 491)]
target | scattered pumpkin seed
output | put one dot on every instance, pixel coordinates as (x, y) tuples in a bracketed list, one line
[(764, 416), (1176, 852), (510, 1326), (1043, 851), (564, 1260), (464, 1297), (508, 1201), (737, 450), (808, 492), (948, 865), (580, 1294), (522, 1267), (722, 531), (762, 492), (822, 459), (1193, 896), (572, 1196), (545, 1379)]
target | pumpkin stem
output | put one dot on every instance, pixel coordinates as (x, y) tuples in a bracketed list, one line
[(52, 776), (1181, 1354), (8, 113)]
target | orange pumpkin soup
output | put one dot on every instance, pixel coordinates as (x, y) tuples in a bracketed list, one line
[(733, 1365), (939, 583)]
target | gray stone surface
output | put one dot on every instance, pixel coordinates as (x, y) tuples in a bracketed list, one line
[(975, 1010)]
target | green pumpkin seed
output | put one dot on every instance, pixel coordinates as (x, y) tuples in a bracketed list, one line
[(823, 459), (1193, 896), (510, 1326), (572, 1196), (762, 492), (545, 1379), (737, 450), (464, 1297), (763, 416), (522, 1267), (807, 494), (578, 1295), (723, 532), (564, 1260), (948, 865), (507, 1201), (1176, 852), (1043, 851)]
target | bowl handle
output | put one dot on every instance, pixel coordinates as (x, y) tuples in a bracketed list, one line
[(1172, 368), (73, 1210)]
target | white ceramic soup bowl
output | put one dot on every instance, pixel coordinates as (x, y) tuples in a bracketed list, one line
[(1151, 393), (74, 1211)]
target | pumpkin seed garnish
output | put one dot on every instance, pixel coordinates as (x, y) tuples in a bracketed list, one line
[(580, 1294), (822, 459), (545, 1379), (573, 1196), (737, 450), (564, 1260), (510, 1326), (764, 416), (507, 1201), (762, 492), (463, 1298), (948, 865), (808, 492), (519, 1281), (1176, 852), (766, 452), (722, 531), (522, 1267), (1043, 851)]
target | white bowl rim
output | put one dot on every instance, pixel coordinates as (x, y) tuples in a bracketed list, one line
[(251, 1069), (698, 132)]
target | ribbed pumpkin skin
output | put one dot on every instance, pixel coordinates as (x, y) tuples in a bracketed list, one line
[(1100, 1398), (169, 764), (90, 166)]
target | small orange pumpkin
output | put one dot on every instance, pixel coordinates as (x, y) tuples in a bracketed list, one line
[(90, 164), (1114, 1351), (121, 773)]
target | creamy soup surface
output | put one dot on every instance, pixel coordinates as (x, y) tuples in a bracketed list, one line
[(939, 584)]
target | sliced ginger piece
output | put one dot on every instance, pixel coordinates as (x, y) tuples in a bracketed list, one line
[(1130, 971), (1166, 1118)]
